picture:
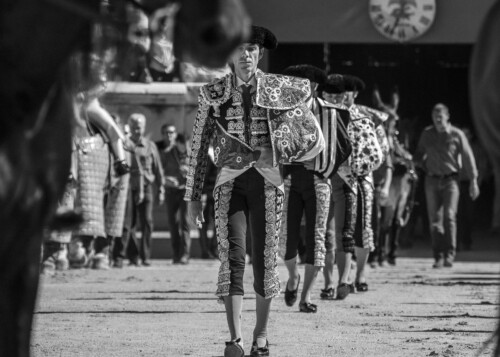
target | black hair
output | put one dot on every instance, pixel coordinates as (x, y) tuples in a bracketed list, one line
[(164, 126)]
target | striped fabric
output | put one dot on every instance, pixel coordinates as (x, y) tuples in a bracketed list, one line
[(327, 117)]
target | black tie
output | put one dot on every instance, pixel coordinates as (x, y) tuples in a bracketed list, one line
[(247, 106)]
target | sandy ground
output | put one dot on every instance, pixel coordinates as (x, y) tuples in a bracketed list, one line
[(170, 310)]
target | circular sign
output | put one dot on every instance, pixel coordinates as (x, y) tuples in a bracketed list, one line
[(402, 20)]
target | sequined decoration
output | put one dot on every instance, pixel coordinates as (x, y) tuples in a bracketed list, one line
[(323, 194), (273, 211), (222, 197), (202, 132), (366, 192), (287, 181), (351, 207)]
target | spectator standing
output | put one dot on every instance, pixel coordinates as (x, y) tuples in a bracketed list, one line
[(443, 150), (146, 171), (168, 133), (175, 164)]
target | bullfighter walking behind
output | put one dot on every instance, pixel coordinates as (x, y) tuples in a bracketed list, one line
[(307, 192), (257, 122)]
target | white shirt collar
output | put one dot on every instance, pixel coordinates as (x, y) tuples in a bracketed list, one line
[(252, 82)]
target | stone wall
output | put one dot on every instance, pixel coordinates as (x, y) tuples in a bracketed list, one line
[(161, 103)]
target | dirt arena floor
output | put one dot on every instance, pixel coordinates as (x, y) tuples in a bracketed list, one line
[(170, 310)]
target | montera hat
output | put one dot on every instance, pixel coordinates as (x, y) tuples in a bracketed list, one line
[(353, 83), (334, 84), (307, 71), (263, 37)]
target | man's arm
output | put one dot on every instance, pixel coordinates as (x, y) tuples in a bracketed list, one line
[(420, 153), (158, 172), (157, 165), (469, 166)]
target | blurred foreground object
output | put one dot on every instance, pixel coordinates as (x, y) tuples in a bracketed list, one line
[(485, 100), (205, 32)]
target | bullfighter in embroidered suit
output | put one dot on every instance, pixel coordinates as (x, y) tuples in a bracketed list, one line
[(368, 155), (257, 121), (352, 185), (307, 192)]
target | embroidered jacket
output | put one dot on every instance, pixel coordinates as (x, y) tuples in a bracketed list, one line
[(368, 144), (279, 120)]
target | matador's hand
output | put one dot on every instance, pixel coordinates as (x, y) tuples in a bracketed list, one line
[(195, 212)]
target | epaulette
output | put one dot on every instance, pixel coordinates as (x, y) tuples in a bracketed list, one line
[(275, 91), (324, 103), (377, 116), (218, 91)]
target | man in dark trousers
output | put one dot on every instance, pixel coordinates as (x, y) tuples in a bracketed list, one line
[(175, 165), (444, 151), (146, 172)]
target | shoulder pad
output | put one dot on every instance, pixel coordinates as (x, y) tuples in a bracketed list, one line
[(376, 115), (275, 91), (218, 91), (324, 103)]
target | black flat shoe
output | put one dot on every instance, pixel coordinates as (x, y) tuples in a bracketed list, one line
[(259, 351), (361, 287), (234, 349), (343, 290), (291, 295), (308, 307), (327, 294)]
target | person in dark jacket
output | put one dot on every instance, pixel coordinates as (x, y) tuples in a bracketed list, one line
[(175, 165)]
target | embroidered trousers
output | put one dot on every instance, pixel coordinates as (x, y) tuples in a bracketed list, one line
[(344, 232), (248, 202), (305, 193), (363, 231)]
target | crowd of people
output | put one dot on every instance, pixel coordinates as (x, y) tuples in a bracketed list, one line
[(282, 165)]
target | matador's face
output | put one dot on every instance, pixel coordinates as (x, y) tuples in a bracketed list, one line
[(246, 58), (335, 98)]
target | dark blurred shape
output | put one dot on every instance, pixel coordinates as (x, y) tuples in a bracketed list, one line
[(263, 37), (484, 89), (353, 83), (485, 84), (207, 32), (334, 84), (314, 74)]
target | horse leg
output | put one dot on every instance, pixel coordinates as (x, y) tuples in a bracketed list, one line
[(393, 242)]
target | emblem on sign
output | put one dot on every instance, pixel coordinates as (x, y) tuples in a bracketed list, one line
[(402, 20)]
